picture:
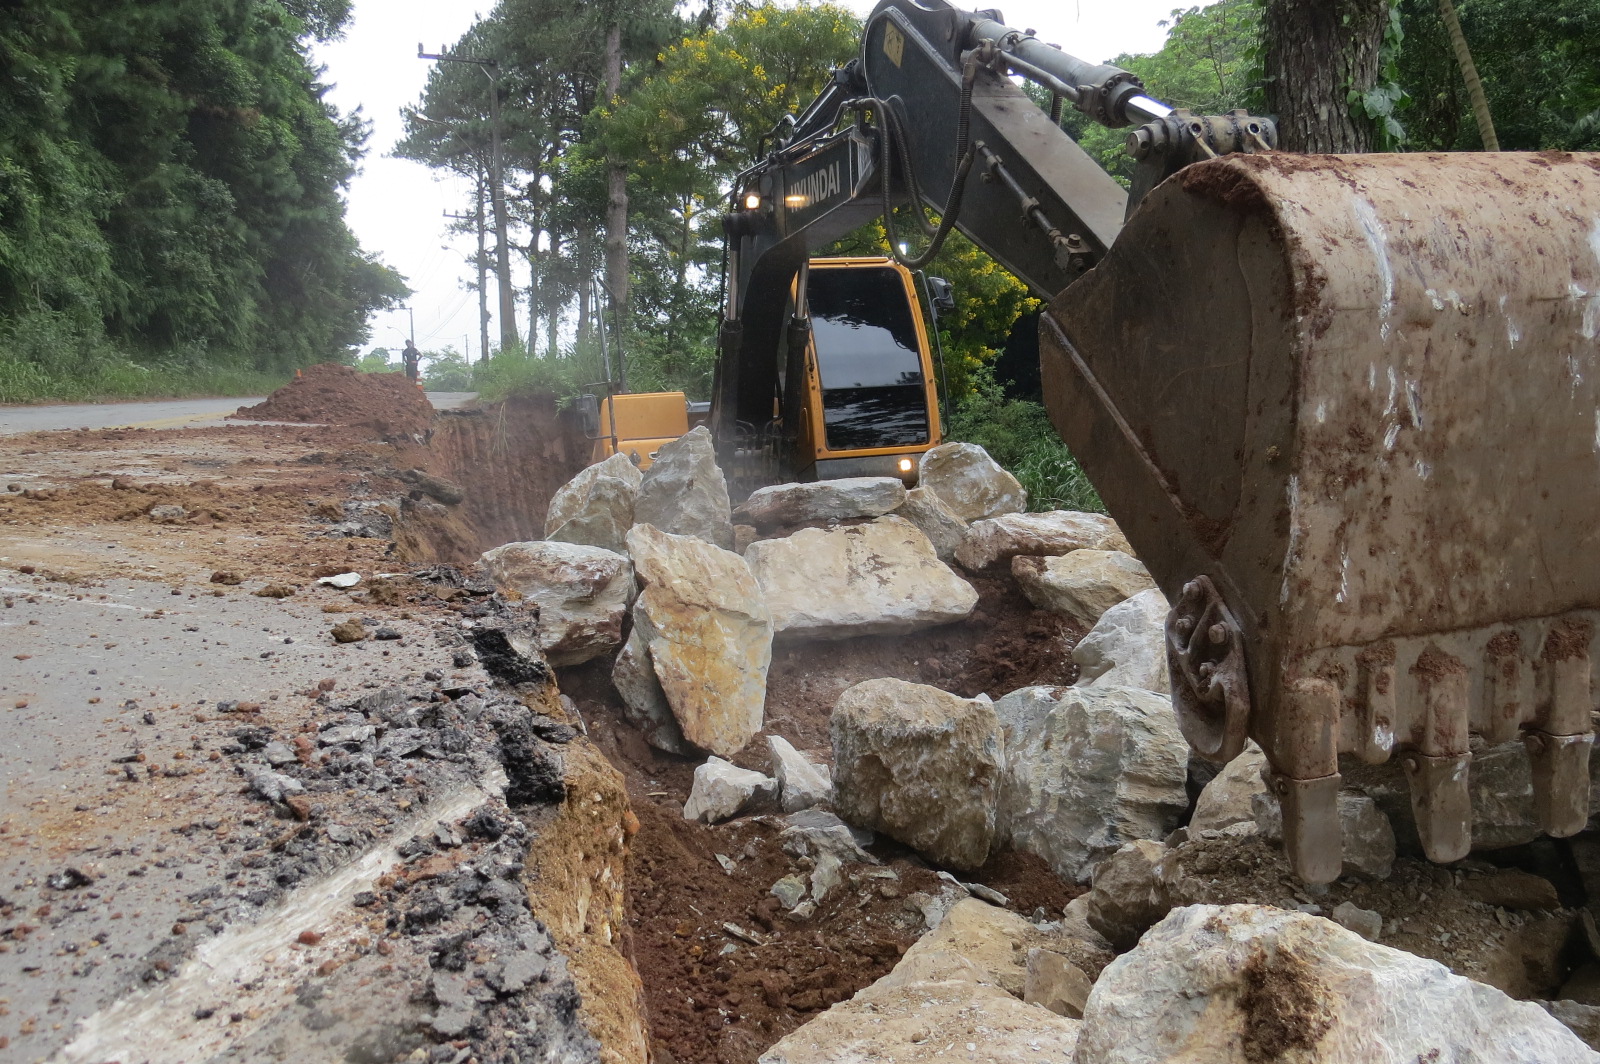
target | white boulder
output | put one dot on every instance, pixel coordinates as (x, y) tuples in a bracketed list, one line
[(704, 621), (684, 493), (1243, 984), (802, 784), (721, 791), (1083, 584), (782, 505), (596, 506), (972, 484), (869, 579), (582, 593), (920, 765), (1127, 646), (1088, 770), (992, 543)]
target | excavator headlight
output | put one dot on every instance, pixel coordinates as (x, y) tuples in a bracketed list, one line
[(905, 465), (752, 201)]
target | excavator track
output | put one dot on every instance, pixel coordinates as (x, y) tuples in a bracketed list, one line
[(1347, 409)]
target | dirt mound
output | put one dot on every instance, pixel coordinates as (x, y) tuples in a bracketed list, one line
[(338, 395)]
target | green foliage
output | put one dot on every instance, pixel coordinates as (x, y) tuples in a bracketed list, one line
[(446, 371), (1380, 103), (1018, 435), (377, 361), (1210, 63), (1539, 61), (169, 191)]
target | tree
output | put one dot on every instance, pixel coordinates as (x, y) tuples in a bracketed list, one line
[(1323, 61), (170, 182)]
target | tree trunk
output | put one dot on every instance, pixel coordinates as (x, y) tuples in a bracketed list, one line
[(553, 315), (617, 181), (1469, 75), (1316, 53), (502, 251)]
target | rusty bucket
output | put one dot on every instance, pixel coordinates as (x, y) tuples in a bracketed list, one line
[(1347, 410)]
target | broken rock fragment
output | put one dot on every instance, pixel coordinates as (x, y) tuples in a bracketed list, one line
[(871, 579), (582, 593), (1082, 584), (703, 619), (1239, 984), (596, 506), (721, 791), (782, 505), (802, 784), (1088, 770), (970, 482), (684, 493), (920, 765)]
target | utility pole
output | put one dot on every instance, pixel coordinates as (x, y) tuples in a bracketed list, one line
[(483, 273), (508, 305)]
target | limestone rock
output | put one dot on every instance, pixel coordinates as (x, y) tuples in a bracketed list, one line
[(783, 505), (1512, 888), (971, 483), (582, 593), (1056, 983), (802, 784), (870, 579), (1582, 1020), (644, 704), (596, 506), (988, 943), (920, 765), (1127, 646), (1088, 769), (704, 621), (1083, 584), (1128, 896), (1240, 984), (927, 1023), (684, 493), (815, 832), (1226, 800), (944, 529), (1368, 838), (992, 543), (721, 791)]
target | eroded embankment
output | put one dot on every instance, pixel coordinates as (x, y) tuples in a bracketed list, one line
[(507, 459)]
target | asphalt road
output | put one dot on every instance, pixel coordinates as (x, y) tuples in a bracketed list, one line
[(161, 414)]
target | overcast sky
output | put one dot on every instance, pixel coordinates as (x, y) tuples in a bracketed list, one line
[(396, 207)]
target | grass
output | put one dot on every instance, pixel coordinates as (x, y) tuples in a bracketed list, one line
[(26, 382), (1054, 479)]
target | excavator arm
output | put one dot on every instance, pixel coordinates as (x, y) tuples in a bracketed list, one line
[(1346, 408)]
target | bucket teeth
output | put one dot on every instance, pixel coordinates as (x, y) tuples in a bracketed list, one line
[(1560, 781), (1441, 804), (1504, 699), (1313, 840)]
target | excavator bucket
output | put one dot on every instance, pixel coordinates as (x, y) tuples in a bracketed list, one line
[(1347, 409)]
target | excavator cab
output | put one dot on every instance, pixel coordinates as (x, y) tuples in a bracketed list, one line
[(869, 407)]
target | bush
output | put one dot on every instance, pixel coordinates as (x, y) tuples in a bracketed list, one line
[(1017, 433)]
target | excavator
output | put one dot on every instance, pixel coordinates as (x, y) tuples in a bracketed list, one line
[(1346, 408)]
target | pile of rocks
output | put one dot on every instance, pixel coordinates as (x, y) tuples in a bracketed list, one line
[(1210, 984)]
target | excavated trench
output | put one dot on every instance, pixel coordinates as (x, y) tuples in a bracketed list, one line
[(721, 973)]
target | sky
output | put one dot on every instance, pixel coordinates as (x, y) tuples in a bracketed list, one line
[(396, 207)]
